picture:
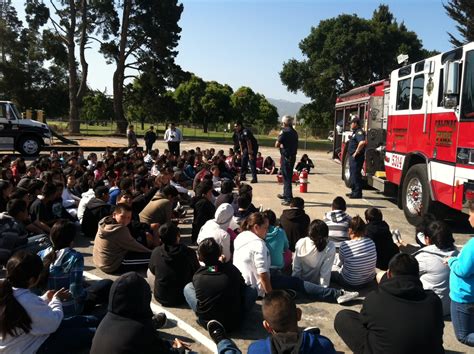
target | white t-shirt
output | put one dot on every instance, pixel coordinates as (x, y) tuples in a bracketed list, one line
[(251, 257), (173, 135)]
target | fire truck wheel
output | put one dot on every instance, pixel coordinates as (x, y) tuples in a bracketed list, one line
[(346, 173), (416, 199)]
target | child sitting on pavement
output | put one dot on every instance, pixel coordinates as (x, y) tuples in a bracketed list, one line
[(281, 318), (218, 290)]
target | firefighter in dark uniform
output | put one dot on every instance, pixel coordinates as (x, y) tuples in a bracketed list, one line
[(356, 151), (248, 148)]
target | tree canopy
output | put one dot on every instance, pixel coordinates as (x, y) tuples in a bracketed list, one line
[(348, 51), (461, 11)]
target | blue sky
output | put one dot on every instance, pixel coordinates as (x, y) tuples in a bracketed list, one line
[(245, 43)]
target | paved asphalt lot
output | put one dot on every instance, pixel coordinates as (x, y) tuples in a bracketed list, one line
[(325, 184)]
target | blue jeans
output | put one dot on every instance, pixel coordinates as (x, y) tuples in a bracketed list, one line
[(227, 346), (316, 291), (287, 166), (249, 296), (462, 316), (253, 165), (74, 334), (355, 167)]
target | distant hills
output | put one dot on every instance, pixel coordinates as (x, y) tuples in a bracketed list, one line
[(286, 107)]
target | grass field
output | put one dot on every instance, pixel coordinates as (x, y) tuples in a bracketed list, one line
[(108, 129)]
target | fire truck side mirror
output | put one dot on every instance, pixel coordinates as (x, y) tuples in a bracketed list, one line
[(451, 84)]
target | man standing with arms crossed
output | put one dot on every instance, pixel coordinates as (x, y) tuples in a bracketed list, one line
[(173, 137), (287, 142), (248, 149), (356, 153)]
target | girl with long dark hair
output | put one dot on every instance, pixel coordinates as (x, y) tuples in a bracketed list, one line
[(34, 324)]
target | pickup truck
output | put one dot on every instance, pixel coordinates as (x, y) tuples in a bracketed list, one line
[(23, 135)]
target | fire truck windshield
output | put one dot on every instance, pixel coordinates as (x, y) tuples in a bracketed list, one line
[(467, 103)]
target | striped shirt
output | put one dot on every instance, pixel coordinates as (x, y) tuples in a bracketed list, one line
[(338, 224), (358, 258)]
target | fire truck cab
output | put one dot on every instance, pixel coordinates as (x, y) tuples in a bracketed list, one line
[(420, 132)]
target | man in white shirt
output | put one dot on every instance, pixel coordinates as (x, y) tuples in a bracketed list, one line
[(173, 137)]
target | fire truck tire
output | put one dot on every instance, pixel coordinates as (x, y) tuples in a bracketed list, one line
[(346, 174), (416, 194), (29, 146)]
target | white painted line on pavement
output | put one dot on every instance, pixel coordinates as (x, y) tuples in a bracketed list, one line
[(198, 336)]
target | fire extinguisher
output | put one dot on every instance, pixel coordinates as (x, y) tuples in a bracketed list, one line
[(304, 181)]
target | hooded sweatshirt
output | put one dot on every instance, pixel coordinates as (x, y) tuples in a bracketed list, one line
[(434, 274), (95, 211), (85, 197), (311, 265), (127, 327), (379, 232), (251, 257), (338, 224), (158, 210), (217, 229), (277, 244), (307, 341), (295, 222), (173, 267), (388, 313), (112, 243)]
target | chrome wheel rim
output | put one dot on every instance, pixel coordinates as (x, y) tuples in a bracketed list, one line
[(414, 196)]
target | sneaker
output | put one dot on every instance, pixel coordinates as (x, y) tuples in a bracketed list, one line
[(158, 320), (347, 296), (396, 236), (280, 196), (216, 331), (286, 203)]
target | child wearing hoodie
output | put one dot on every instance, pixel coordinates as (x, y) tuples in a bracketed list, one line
[(128, 325), (295, 221), (314, 255), (217, 229), (338, 221), (172, 266), (434, 274), (281, 317), (276, 241), (379, 232), (115, 249), (461, 282)]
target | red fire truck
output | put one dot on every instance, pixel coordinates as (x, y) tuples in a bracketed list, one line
[(420, 132)]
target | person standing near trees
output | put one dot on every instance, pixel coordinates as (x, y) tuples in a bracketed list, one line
[(287, 142), (150, 138), (131, 137), (356, 151), (173, 137), (248, 148)]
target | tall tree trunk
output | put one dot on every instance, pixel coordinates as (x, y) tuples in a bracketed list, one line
[(74, 124), (120, 70), (82, 48)]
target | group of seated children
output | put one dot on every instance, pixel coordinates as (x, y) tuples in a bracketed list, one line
[(131, 208)]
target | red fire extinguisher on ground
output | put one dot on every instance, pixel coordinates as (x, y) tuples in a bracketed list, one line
[(304, 181)]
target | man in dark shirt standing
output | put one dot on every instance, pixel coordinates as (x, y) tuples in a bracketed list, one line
[(356, 153), (248, 149), (150, 138), (287, 142)]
